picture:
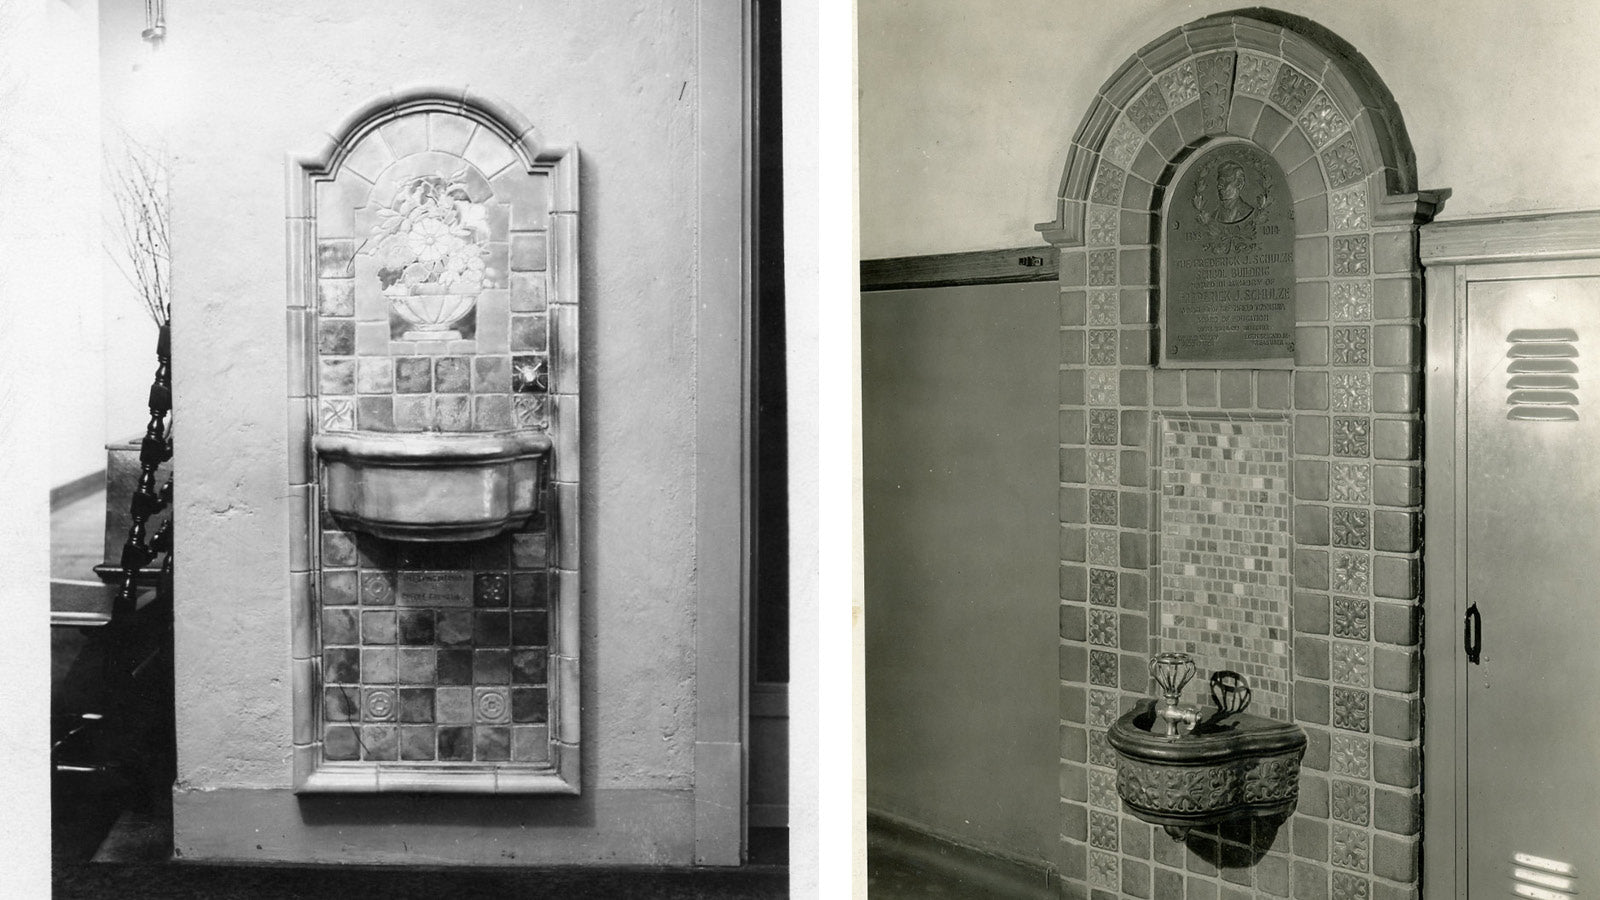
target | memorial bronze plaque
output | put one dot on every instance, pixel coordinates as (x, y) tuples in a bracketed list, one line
[(442, 588), (1228, 271)]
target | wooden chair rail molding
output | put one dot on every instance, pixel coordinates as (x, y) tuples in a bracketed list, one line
[(1018, 264)]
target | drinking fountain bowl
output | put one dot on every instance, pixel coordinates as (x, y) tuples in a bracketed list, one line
[(1229, 764), (433, 486)]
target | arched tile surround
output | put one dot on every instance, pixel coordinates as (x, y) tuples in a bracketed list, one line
[(476, 689), (1350, 404)]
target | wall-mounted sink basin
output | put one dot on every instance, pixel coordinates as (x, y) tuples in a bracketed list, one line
[(433, 486), (1227, 766)]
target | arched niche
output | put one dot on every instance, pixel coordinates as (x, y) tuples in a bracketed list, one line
[(441, 664), (1336, 414)]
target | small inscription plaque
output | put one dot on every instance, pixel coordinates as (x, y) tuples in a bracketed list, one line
[(434, 589), (1228, 291)]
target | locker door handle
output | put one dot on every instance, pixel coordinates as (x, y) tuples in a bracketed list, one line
[(1472, 634)]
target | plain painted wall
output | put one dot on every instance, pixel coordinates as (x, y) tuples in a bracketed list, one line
[(66, 168), (258, 81), (959, 448), (967, 110)]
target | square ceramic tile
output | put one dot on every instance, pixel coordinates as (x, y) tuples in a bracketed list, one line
[(530, 374), (491, 666), (451, 375), (491, 413), (1100, 752), (413, 412), (492, 744), (1103, 668), (530, 743), (529, 332), (1102, 708), (1352, 527), (1103, 790), (530, 705), (1352, 802), (455, 743), (336, 297), (336, 375), (1351, 617), (1103, 424), (1102, 347), (1352, 345), (1105, 307), (340, 626), (1350, 755), (1352, 664), (1351, 483), (1103, 627), (1351, 709), (1102, 507), (1100, 387), (1352, 573), (1351, 848), (1351, 391), (1352, 301), (532, 410), (1103, 587), (1102, 466), (491, 374), (530, 665), (1104, 547), (1348, 886), (416, 665), (1103, 830), (1352, 436)]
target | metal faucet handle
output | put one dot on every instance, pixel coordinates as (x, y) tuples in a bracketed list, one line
[(1171, 672), (1230, 691)]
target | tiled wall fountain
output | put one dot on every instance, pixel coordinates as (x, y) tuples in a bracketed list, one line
[(434, 452), (1240, 472)]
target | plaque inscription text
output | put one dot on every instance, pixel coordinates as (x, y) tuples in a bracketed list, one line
[(1228, 291), (445, 588)]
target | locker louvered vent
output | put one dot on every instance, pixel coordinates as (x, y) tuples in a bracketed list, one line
[(1538, 878), (1544, 375)]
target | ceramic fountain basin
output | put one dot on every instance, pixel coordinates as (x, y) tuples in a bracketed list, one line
[(1228, 766), (433, 486)]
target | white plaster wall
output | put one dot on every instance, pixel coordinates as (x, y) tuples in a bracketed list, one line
[(134, 101), (63, 163), (967, 110), (619, 79)]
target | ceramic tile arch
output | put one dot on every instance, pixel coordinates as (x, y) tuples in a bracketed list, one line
[(447, 666), (1283, 85)]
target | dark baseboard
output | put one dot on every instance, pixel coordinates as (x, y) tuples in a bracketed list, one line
[(1021, 264), (77, 489), (996, 875)]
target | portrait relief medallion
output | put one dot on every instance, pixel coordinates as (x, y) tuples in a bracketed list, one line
[(1228, 262)]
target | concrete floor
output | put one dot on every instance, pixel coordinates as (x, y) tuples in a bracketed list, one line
[(893, 878)]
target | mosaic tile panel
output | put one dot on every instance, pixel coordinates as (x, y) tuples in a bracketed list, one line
[(1225, 542)]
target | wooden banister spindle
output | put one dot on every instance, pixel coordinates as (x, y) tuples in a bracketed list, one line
[(154, 449)]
